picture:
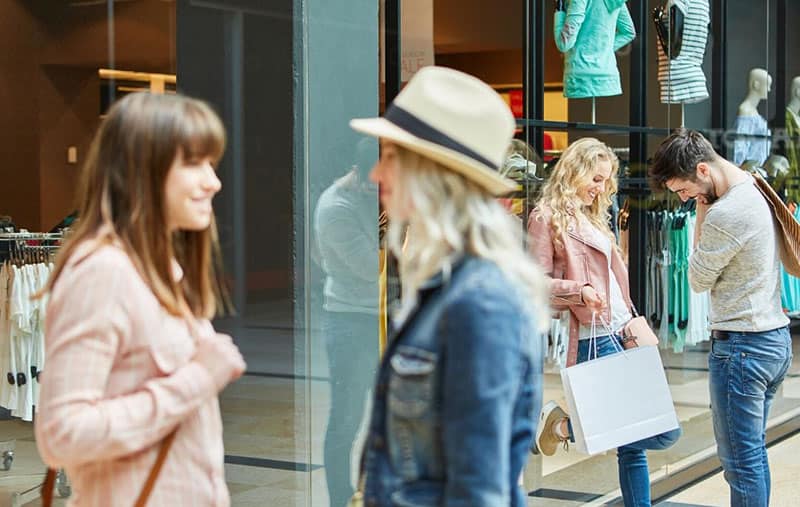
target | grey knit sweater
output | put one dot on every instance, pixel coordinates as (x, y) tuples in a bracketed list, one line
[(737, 259)]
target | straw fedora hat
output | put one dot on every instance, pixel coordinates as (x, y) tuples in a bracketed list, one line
[(454, 119)]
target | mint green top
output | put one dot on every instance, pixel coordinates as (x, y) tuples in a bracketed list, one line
[(589, 33)]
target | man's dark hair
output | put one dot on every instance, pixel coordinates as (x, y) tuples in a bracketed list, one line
[(678, 156)]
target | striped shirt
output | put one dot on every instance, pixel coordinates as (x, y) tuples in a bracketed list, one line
[(120, 376), (682, 79)]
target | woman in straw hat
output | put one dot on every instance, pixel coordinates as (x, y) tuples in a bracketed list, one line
[(571, 238), (452, 411)]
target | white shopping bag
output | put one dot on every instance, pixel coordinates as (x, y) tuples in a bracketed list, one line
[(618, 399)]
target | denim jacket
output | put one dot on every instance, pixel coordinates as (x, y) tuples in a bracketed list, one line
[(457, 391)]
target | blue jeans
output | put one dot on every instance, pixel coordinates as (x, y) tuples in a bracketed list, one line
[(744, 374), (634, 476)]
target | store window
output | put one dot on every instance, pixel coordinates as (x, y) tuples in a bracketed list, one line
[(298, 218), (701, 64)]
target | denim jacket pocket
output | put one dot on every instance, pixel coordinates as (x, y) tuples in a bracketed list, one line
[(411, 425), (411, 382)]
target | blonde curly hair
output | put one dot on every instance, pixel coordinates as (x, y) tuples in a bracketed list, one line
[(572, 172)]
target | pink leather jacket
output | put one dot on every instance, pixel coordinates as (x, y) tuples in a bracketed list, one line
[(572, 265)]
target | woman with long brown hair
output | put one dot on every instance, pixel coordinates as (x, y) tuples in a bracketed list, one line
[(131, 356), (571, 238)]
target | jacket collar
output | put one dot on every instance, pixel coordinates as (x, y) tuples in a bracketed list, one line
[(431, 285), (577, 230)]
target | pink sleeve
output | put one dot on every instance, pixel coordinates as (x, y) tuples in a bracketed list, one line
[(563, 293), (88, 323)]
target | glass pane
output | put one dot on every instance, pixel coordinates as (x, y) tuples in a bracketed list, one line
[(749, 83), (342, 261)]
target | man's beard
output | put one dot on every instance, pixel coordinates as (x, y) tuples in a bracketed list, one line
[(710, 195)]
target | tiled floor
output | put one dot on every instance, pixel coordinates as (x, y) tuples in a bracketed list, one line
[(784, 468), (277, 417)]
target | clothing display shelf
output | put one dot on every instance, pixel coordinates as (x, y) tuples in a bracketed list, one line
[(24, 242), (20, 241), (599, 128)]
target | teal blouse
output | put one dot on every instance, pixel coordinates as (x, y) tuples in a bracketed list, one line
[(589, 33)]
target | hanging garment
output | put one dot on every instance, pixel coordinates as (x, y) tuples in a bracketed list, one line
[(681, 78), (8, 390), (666, 276), (589, 32), (679, 291), (790, 287), (697, 330), (677, 314), (793, 154), (21, 336), (751, 148)]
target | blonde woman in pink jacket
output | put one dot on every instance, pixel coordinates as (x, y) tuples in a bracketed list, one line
[(570, 236), (131, 356)]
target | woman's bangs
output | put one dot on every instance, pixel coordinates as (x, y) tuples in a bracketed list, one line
[(202, 136)]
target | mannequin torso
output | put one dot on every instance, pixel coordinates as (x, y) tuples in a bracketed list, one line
[(750, 123), (685, 33)]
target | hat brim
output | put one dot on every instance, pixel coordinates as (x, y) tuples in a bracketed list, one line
[(468, 167)]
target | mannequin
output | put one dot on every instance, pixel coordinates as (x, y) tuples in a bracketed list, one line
[(777, 169), (793, 142), (750, 122), (589, 32), (794, 96), (682, 30), (759, 84)]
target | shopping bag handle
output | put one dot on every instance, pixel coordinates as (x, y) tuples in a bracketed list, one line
[(593, 337)]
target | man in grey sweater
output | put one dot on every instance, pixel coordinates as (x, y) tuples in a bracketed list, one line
[(736, 257)]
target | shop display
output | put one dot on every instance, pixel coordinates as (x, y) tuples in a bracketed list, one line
[(589, 32), (793, 142), (682, 32), (21, 329), (24, 269), (753, 142), (678, 315)]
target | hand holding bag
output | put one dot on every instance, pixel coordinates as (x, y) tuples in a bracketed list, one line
[(604, 417), (637, 333)]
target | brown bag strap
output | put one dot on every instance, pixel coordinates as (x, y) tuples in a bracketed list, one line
[(48, 486), (50, 478)]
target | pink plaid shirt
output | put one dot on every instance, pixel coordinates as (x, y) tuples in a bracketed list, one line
[(118, 378)]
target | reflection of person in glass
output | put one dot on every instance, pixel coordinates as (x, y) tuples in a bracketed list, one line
[(346, 229), (458, 386)]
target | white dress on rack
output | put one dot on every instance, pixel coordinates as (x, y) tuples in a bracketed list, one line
[(7, 391), (697, 331)]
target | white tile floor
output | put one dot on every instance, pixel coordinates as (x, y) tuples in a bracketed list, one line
[(784, 468), (284, 419)]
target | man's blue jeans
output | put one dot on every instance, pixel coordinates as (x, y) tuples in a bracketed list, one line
[(744, 373), (634, 476)]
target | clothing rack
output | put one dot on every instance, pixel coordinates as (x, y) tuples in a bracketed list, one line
[(622, 151), (27, 247), (16, 245)]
